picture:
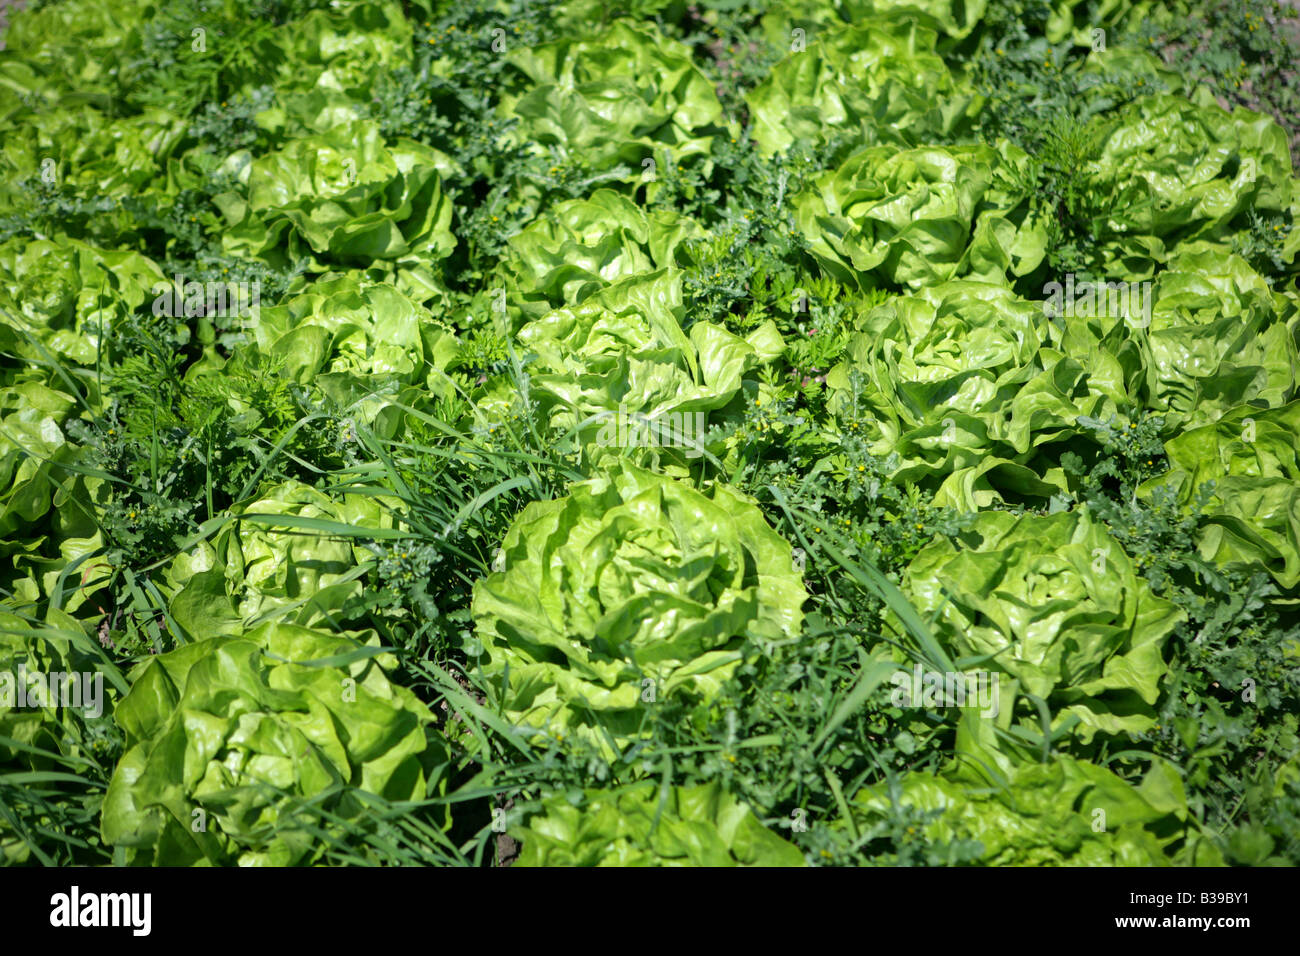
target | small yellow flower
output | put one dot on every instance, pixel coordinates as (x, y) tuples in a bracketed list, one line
[(1000, 52), (861, 467)]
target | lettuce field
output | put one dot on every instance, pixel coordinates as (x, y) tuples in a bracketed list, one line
[(630, 432)]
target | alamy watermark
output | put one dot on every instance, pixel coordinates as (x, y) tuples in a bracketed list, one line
[(77, 909), (922, 688), (1086, 299), (179, 299), (37, 689), (634, 430)]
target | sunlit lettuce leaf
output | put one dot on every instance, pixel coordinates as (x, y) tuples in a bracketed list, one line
[(301, 569), (631, 585), (576, 247), (53, 726), (879, 78), (351, 335), (612, 100), (620, 360), (1219, 337), (918, 217), (225, 735), (1063, 610), (966, 382), (1178, 171), (64, 292), (1253, 457), (345, 197), (692, 826), (1063, 813)]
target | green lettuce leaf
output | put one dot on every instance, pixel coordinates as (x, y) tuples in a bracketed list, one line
[(881, 79), (620, 362), (59, 726), (345, 197), (692, 826), (612, 100), (1063, 813), (921, 216), (631, 587), (1253, 514), (967, 384), (226, 735), (582, 245), (259, 569), (1063, 612)]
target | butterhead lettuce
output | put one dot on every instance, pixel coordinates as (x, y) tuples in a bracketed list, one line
[(628, 589)]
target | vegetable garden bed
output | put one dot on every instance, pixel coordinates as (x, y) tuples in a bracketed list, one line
[(548, 433)]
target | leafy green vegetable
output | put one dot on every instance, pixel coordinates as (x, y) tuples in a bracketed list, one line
[(586, 243), (863, 79), (920, 216), (614, 99), (226, 737), (1253, 457), (1064, 813), (1059, 609), (620, 362), (57, 694), (783, 350), (640, 826), (629, 589), (343, 196)]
